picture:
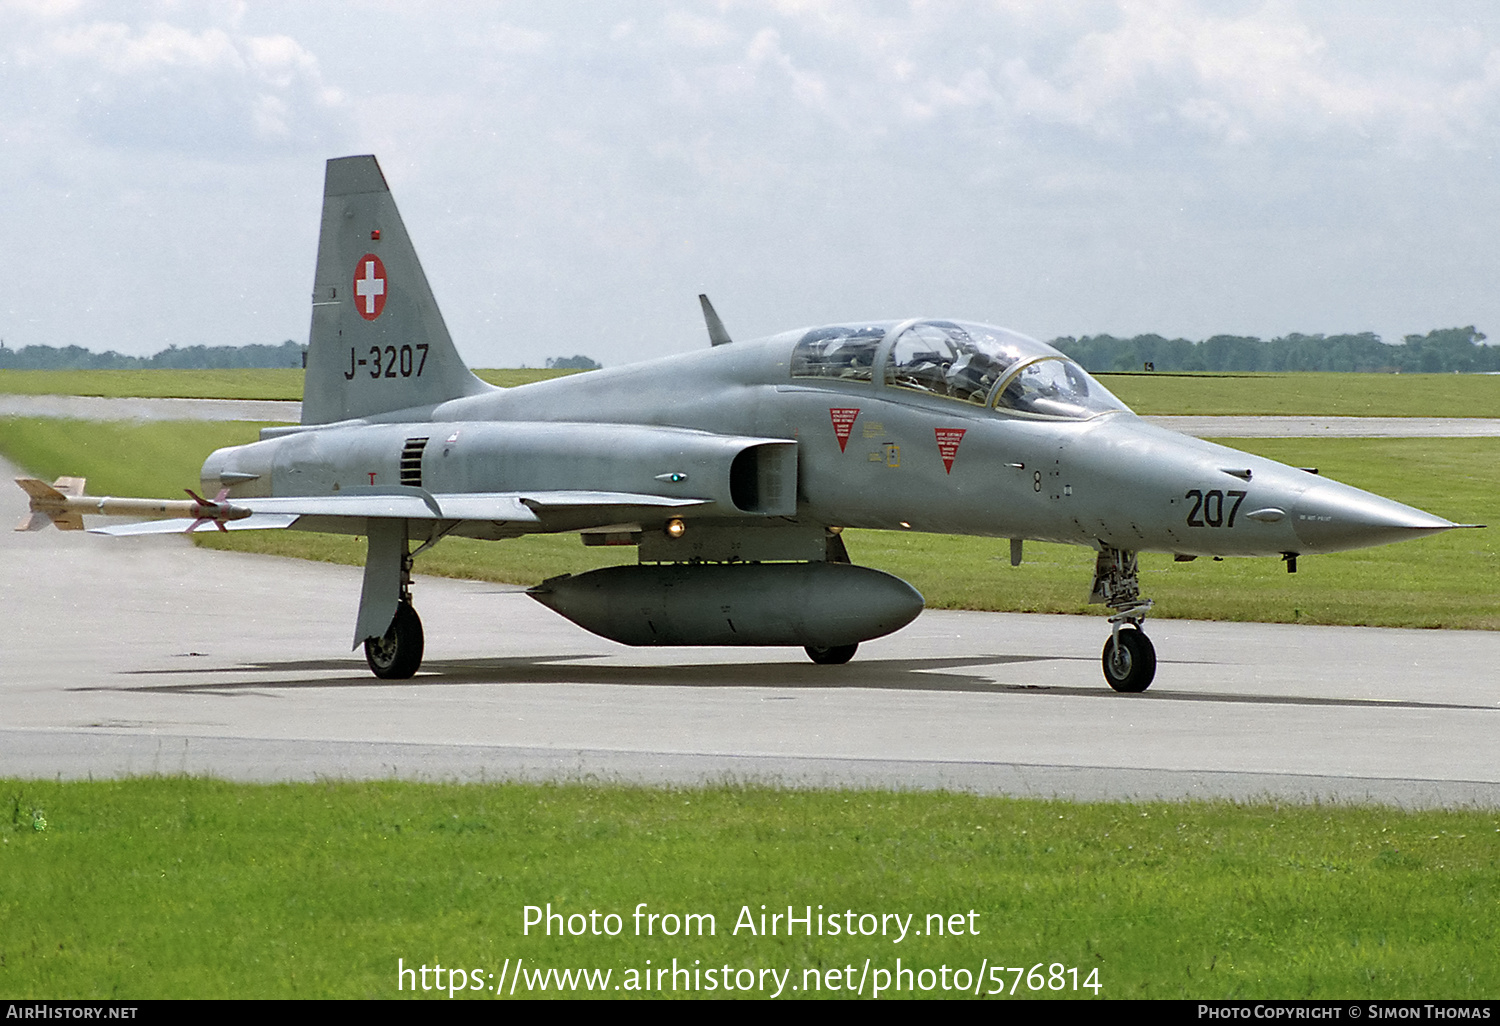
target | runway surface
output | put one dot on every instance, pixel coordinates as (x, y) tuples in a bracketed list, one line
[(147, 655), (96, 408)]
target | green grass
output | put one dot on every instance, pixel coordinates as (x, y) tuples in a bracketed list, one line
[(156, 458), (201, 384), (157, 384), (1444, 581), (1306, 394), (511, 377), (148, 888), (1309, 394)]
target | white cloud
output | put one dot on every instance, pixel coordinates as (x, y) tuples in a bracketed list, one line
[(165, 85), (1270, 75), (696, 31), (514, 39), (113, 47)]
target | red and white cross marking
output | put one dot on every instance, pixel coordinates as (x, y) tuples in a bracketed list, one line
[(369, 287), (948, 440), (843, 423)]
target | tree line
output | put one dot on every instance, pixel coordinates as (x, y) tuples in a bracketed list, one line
[(1445, 351), (288, 354)]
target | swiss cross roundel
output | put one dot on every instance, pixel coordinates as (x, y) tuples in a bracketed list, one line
[(369, 286)]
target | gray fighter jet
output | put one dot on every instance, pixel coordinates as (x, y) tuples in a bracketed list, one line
[(733, 469)]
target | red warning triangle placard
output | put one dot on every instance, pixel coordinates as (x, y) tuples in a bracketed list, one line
[(843, 423), (948, 440)]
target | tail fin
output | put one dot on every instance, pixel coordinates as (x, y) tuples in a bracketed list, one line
[(47, 503), (378, 342)]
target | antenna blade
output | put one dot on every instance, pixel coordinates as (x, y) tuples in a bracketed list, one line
[(716, 333)]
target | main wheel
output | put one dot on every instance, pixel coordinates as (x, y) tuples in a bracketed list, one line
[(835, 655), (397, 655), (1130, 665)]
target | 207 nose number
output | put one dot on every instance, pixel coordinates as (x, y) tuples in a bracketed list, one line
[(1208, 507)]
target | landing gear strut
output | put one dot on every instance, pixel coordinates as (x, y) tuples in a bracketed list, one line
[(387, 624), (1129, 657), (394, 652)]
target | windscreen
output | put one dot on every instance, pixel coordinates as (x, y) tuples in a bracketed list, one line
[(1056, 387)]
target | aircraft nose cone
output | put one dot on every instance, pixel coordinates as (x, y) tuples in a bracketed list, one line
[(1331, 517)]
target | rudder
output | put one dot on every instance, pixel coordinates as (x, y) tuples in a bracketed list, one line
[(378, 342)]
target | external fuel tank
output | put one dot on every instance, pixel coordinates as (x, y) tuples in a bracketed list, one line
[(819, 605)]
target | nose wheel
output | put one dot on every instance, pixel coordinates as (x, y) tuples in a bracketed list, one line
[(1129, 660), (1129, 657)]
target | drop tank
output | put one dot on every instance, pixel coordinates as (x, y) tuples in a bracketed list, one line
[(819, 605)]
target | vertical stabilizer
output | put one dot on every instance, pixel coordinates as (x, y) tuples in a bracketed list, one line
[(378, 342)]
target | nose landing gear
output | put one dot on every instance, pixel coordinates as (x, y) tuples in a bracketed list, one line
[(1129, 657), (1129, 660)]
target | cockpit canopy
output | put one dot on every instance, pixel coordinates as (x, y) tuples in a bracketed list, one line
[(971, 363)]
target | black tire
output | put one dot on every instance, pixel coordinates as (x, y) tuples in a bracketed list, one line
[(1131, 668), (835, 655), (397, 655)]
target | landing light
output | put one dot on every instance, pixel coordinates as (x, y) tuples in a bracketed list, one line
[(675, 528)]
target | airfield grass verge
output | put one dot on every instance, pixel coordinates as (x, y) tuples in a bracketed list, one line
[(1287, 394), (1443, 581), (187, 887), (1309, 394), (239, 383)]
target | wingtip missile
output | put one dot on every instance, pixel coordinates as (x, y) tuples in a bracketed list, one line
[(64, 503), (49, 503)]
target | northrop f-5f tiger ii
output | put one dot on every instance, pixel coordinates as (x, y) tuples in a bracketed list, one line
[(733, 469)]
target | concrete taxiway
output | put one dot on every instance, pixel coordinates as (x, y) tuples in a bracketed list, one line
[(147, 655)]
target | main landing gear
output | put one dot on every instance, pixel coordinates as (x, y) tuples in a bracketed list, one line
[(394, 653), (398, 654), (1129, 657), (834, 655)]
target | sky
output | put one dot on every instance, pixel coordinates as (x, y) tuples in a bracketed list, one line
[(574, 173)]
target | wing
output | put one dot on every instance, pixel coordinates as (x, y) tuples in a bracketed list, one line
[(524, 512)]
